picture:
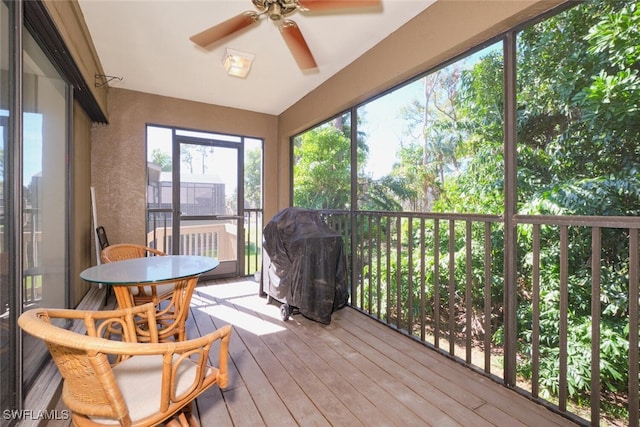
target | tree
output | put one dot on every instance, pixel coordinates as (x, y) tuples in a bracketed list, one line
[(322, 165), (612, 101), (204, 151), (162, 159), (322, 169), (253, 178), (437, 118), (186, 157)]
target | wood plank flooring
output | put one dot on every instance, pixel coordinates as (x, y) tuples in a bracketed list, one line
[(353, 372)]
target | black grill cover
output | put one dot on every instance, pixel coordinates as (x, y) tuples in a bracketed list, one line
[(305, 264)]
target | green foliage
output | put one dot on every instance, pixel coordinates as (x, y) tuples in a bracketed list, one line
[(580, 157), (578, 153), (253, 178), (482, 101), (384, 194), (606, 196), (612, 101), (480, 188), (161, 158), (322, 169), (399, 281)]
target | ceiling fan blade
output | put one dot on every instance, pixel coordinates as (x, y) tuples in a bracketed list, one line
[(224, 29), (297, 45), (315, 5)]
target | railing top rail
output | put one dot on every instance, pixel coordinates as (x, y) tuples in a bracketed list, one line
[(426, 215), (575, 220), (581, 220), (159, 210)]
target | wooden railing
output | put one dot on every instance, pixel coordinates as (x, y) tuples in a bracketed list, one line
[(216, 240), (32, 274)]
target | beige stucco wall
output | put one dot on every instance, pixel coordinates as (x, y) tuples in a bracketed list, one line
[(118, 152), (443, 31)]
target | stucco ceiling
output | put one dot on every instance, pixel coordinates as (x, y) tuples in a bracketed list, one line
[(145, 44)]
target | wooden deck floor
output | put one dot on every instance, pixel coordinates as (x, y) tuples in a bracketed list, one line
[(352, 372)]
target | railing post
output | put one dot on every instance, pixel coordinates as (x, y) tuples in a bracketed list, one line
[(633, 387), (353, 208), (354, 258), (596, 265), (563, 325)]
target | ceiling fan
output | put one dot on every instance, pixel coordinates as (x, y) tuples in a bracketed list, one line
[(277, 11)]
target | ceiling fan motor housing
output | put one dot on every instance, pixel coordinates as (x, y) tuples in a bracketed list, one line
[(276, 9)]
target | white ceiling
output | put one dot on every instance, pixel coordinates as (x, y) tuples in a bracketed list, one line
[(146, 43)]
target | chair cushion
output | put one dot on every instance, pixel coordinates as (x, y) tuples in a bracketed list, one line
[(140, 381), (160, 289)]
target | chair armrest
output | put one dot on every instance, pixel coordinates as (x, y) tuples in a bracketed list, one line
[(154, 251), (37, 323)]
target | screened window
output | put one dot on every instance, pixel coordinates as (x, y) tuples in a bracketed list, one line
[(322, 166), (578, 97), (429, 142)]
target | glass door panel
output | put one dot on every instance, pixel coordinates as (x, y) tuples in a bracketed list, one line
[(207, 213), (44, 194)]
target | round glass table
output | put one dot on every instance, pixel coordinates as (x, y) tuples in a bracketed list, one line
[(148, 270), (181, 271)]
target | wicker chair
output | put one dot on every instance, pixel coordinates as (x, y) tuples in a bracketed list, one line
[(124, 382), (140, 294)]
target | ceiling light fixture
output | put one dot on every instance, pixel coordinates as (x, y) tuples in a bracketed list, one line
[(237, 63)]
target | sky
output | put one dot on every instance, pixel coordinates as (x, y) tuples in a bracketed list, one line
[(32, 156), (384, 127)]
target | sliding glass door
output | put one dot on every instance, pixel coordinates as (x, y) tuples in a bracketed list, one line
[(34, 181), (44, 193)]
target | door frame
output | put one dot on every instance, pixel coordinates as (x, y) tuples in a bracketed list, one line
[(208, 139)]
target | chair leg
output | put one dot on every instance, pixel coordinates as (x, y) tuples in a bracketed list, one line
[(184, 418), (181, 420), (193, 421), (189, 417), (106, 294), (172, 423)]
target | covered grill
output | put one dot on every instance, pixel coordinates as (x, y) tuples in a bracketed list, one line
[(303, 265)]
